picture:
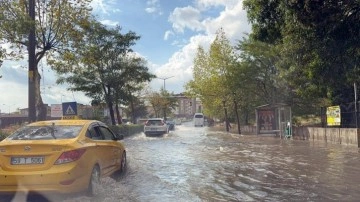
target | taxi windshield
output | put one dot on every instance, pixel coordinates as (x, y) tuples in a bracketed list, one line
[(45, 132)]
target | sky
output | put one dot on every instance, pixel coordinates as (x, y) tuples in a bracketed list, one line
[(170, 31)]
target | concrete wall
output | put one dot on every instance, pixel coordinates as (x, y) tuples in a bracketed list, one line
[(347, 136)]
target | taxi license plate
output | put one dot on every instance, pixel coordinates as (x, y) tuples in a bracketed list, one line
[(27, 160)]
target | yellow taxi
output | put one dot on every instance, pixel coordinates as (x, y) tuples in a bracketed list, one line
[(61, 156)]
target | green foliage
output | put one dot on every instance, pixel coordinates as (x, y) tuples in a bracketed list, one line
[(103, 67), (211, 75), (57, 26), (136, 109), (127, 130), (162, 102), (3, 135), (267, 19), (318, 42)]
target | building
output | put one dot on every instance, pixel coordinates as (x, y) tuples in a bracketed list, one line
[(187, 107)]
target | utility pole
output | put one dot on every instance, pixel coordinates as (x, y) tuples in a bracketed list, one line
[(32, 76)]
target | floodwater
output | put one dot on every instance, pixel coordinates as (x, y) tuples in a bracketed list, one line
[(197, 164)]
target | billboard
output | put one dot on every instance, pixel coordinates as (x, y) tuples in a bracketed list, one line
[(333, 116), (266, 120), (56, 110)]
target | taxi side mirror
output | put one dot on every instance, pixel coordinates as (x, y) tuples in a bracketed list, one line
[(119, 137)]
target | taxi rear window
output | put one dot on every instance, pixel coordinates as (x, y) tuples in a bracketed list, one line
[(45, 132)]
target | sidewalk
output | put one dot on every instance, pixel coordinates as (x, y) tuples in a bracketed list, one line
[(233, 129)]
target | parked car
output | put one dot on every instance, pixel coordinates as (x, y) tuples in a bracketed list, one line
[(63, 156), (171, 124), (155, 126)]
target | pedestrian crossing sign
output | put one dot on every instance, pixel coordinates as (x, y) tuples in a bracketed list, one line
[(69, 108)]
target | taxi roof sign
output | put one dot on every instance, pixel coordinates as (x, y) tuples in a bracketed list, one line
[(70, 118)]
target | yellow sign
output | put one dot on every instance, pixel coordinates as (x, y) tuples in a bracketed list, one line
[(333, 116)]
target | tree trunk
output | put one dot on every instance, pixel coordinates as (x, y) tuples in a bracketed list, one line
[(132, 111), (41, 109), (111, 110), (110, 105), (119, 117)]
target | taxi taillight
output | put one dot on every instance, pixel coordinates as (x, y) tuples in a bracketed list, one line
[(69, 156)]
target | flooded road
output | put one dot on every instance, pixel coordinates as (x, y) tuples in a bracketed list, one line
[(196, 164)]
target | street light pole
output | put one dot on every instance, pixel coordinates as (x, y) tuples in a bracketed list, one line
[(164, 91), (165, 80)]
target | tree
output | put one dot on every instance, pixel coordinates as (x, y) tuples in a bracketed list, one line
[(56, 26), (133, 77), (1, 56), (103, 68), (162, 103), (211, 74), (334, 32), (267, 20), (136, 109), (157, 102), (318, 41)]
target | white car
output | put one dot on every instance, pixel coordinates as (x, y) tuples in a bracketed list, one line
[(155, 126)]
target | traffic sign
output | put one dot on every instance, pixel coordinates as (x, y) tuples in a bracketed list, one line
[(69, 108)]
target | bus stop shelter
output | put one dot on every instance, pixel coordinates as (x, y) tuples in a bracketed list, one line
[(274, 119)]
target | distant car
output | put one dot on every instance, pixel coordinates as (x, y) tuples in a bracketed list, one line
[(171, 124), (155, 126), (62, 156), (178, 122)]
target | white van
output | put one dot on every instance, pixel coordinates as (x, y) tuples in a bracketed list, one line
[(198, 119)]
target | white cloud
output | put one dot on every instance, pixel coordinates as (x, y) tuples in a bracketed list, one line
[(109, 23), (153, 6), (168, 34), (186, 17), (232, 19), (99, 6), (105, 6), (204, 4), (180, 65)]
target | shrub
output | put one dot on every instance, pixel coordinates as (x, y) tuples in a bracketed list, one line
[(127, 130), (3, 135)]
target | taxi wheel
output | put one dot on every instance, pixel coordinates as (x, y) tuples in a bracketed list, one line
[(118, 175), (94, 183)]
